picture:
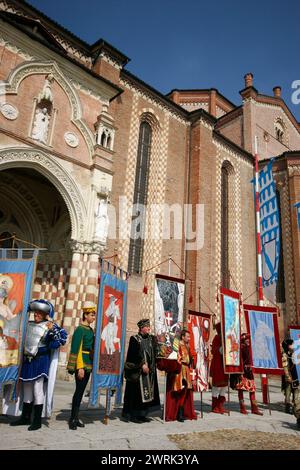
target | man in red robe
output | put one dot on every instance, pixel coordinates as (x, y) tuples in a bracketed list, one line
[(179, 398), (219, 378)]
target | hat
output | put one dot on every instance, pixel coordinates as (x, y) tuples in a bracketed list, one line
[(245, 336), (286, 343), (143, 322), (89, 307), (41, 305)]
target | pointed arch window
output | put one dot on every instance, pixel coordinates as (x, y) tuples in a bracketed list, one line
[(225, 281), (135, 259)]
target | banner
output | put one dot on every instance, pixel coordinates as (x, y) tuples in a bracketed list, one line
[(231, 331), (262, 324), (15, 288), (270, 231), (199, 328), (295, 335), (297, 205), (110, 335), (168, 314)]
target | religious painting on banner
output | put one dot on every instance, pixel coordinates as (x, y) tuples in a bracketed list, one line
[(168, 313), (231, 331), (12, 291), (15, 287), (295, 335), (199, 328), (262, 325), (110, 334)]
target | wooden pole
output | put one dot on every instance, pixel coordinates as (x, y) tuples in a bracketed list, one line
[(228, 398)]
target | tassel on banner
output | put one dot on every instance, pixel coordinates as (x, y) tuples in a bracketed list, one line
[(145, 289), (217, 294)]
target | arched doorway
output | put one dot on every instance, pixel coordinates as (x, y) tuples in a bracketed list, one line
[(34, 210)]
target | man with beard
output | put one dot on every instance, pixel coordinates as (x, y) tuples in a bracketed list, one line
[(141, 392)]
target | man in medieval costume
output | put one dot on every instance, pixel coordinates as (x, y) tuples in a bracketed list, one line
[(290, 381), (42, 341), (81, 360), (219, 378), (141, 391), (180, 385), (245, 382)]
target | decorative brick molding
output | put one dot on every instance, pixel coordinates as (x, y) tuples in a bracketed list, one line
[(46, 68), (235, 221)]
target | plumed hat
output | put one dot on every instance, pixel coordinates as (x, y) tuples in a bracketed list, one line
[(89, 307), (41, 305), (143, 322)]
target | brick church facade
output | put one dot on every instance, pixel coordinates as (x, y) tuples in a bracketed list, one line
[(78, 132)]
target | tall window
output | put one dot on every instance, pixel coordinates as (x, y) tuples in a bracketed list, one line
[(225, 280), (135, 259), (280, 288)]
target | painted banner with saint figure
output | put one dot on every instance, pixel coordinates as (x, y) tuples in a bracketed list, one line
[(15, 287), (168, 314), (110, 333), (199, 328)]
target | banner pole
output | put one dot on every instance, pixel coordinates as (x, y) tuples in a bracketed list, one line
[(165, 399), (228, 388), (201, 404), (107, 407), (264, 379), (268, 396)]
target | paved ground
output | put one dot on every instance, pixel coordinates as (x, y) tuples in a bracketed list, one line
[(147, 436)]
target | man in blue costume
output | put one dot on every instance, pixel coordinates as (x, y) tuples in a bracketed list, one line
[(43, 337)]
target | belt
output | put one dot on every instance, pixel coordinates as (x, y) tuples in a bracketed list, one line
[(31, 358)]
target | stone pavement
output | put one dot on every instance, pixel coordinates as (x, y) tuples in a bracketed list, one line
[(118, 435)]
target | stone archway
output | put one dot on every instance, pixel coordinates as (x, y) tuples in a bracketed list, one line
[(49, 167)]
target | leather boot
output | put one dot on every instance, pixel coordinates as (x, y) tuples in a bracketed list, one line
[(215, 405), (180, 417), (74, 418), (289, 408), (221, 401), (243, 408), (37, 418), (25, 417), (254, 408)]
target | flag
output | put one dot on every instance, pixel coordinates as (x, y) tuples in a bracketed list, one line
[(270, 231), (297, 205)]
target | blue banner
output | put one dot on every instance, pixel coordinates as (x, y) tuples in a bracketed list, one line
[(297, 205), (263, 342), (15, 288), (270, 231), (110, 336)]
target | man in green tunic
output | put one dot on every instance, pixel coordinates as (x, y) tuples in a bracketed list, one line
[(81, 360)]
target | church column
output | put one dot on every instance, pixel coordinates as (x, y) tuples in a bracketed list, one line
[(70, 310)]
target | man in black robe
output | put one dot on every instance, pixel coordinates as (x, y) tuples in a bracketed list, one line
[(141, 391)]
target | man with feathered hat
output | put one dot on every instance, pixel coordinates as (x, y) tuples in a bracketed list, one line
[(42, 341)]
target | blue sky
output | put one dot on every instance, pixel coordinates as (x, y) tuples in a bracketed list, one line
[(194, 43)]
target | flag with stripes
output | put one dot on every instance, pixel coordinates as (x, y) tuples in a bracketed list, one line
[(270, 231)]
